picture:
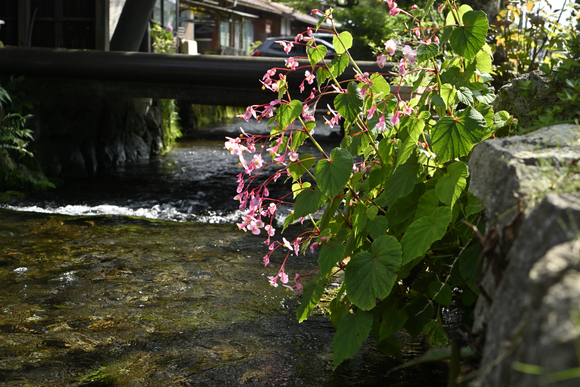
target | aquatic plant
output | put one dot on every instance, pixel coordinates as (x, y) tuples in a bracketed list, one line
[(388, 208)]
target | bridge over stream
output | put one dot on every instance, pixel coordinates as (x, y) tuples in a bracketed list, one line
[(199, 79)]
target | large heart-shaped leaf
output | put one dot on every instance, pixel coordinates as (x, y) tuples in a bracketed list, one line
[(329, 256), (342, 42), (380, 85), (333, 174), (450, 186), (454, 137), (349, 104), (401, 183), (316, 54), (307, 202), (287, 113), (338, 64), (423, 232), (467, 39), (352, 331), (371, 275)]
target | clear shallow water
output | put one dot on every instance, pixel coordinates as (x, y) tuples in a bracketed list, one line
[(90, 296)]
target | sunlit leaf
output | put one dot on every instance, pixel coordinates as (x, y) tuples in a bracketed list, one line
[(467, 39), (298, 168), (316, 54), (287, 113), (333, 174), (454, 137), (342, 42), (349, 104)]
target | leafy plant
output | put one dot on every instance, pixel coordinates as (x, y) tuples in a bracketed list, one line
[(388, 208), (527, 35), (17, 169), (163, 43)]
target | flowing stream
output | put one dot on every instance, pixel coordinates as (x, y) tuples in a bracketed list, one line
[(141, 278)]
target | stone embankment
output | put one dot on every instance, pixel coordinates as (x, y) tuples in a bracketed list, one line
[(530, 313)]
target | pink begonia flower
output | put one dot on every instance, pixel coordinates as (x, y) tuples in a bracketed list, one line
[(280, 159), (402, 66), (436, 39), (298, 283), (306, 113), (440, 8), (283, 277), (291, 63), (273, 280), (257, 161), (381, 125), (287, 45), (394, 9), (270, 230), (248, 114), (335, 119), (408, 111), (395, 119), (410, 54), (417, 32), (266, 259), (309, 77), (274, 149), (299, 38), (371, 112), (254, 228), (312, 248), (414, 7), (391, 46), (270, 73), (381, 60), (296, 245), (287, 244), (301, 87), (293, 156), (169, 28)]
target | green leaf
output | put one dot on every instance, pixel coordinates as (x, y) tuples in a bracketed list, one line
[(427, 204), (454, 137), (401, 183), (316, 54), (450, 186), (322, 74), (369, 276), (359, 218), (470, 267), (372, 212), (393, 320), (378, 226), (310, 298), (420, 311), (298, 168), (298, 187), (329, 256), (441, 293), (352, 331), (307, 202), (467, 39), (287, 113), (474, 205), (448, 94), (342, 42), (333, 174), (338, 64), (425, 52), (423, 232), (414, 129), (349, 104), (436, 336), (380, 85)]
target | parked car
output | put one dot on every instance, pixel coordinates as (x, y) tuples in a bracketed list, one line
[(273, 49)]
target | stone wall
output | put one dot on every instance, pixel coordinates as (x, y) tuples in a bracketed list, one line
[(530, 187), (81, 134)]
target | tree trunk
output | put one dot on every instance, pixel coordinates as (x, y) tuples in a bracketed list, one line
[(132, 25)]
